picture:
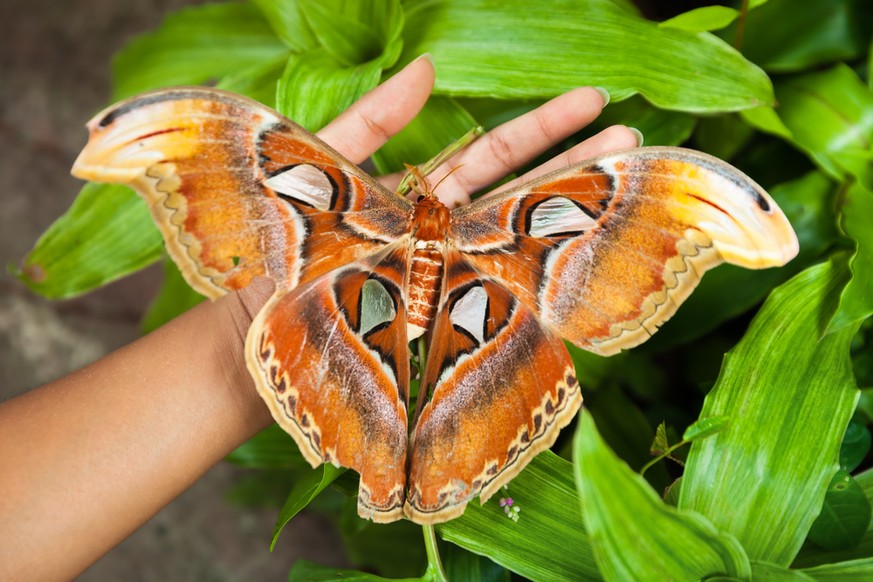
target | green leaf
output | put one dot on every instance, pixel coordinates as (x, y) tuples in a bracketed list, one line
[(287, 21), (705, 427), (729, 291), (840, 572), (844, 517), (258, 82), (830, 115), (767, 120), (626, 429), (723, 136), (634, 535), (661, 443), (521, 50), (767, 572), (193, 46), (856, 301), (547, 496), (272, 448), (106, 234), (814, 555), (306, 571), (342, 28), (856, 445), (781, 38), (441, 122), (315, 87), (659, 127), (304, 491), (789, 398), (394, 549), (174, 298), (702, 19), (461, 564)]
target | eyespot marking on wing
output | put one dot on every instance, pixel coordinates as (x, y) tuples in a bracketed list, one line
[(557, 215), (470, 312), (377, 306), (304, 183)]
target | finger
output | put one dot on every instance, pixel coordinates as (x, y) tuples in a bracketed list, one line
[(611, 139), (509, 146), (365, 126)]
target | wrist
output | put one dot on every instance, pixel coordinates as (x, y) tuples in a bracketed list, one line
[(233, 318)]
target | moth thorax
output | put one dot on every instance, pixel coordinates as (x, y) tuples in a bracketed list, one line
[(425, 277)]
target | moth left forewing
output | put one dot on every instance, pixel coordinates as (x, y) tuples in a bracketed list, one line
[(237, 190), (331, 361), (647, 223), (502, 388)]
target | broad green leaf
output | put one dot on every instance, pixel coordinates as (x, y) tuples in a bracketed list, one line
[(702, 19), (286, 19), (258, 82), (728, 291), (193, 46), (767, 572), (789, 398), (394, 550), (830, 115), (813, 555), (272, 448), (461, 564), (844, 517), (303, 492), (767, 120), (306, 571), (856, 445), (625, 429), (315, 87), (106, 234), (438, 124), (547, 496), (635, 536), (723, 136), (659, 127), (705, 427), (174, 298), (354, 32), (522, 50), (782, 37), (856, 302), (861, 569)]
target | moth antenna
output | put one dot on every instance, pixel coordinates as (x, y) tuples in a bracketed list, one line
[(443, 179)]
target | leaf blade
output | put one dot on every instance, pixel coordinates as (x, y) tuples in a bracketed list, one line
[(764, 477)]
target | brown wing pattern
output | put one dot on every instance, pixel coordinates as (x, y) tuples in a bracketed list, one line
[(331, 361), (502, 388), (605, 252), (239, 191)]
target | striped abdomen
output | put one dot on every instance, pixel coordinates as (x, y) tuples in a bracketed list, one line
[(425, 276)]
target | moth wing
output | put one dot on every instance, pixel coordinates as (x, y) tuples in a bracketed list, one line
[(605, 251), (239, 191), (331, 360), (502, 388)]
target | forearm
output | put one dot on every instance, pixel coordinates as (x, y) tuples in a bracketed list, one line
[(89, 458)]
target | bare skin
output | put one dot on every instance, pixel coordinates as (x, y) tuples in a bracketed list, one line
[(89, 458)]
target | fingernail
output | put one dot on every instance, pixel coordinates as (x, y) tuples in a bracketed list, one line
[(603, 93), (426, 56), (637, 134)]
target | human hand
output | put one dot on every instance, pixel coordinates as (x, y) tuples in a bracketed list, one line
[(368, 124)]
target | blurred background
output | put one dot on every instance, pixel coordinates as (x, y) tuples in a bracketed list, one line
[(54, 76)]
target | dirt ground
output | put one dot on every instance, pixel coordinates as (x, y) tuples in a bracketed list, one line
[(54, 75)]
